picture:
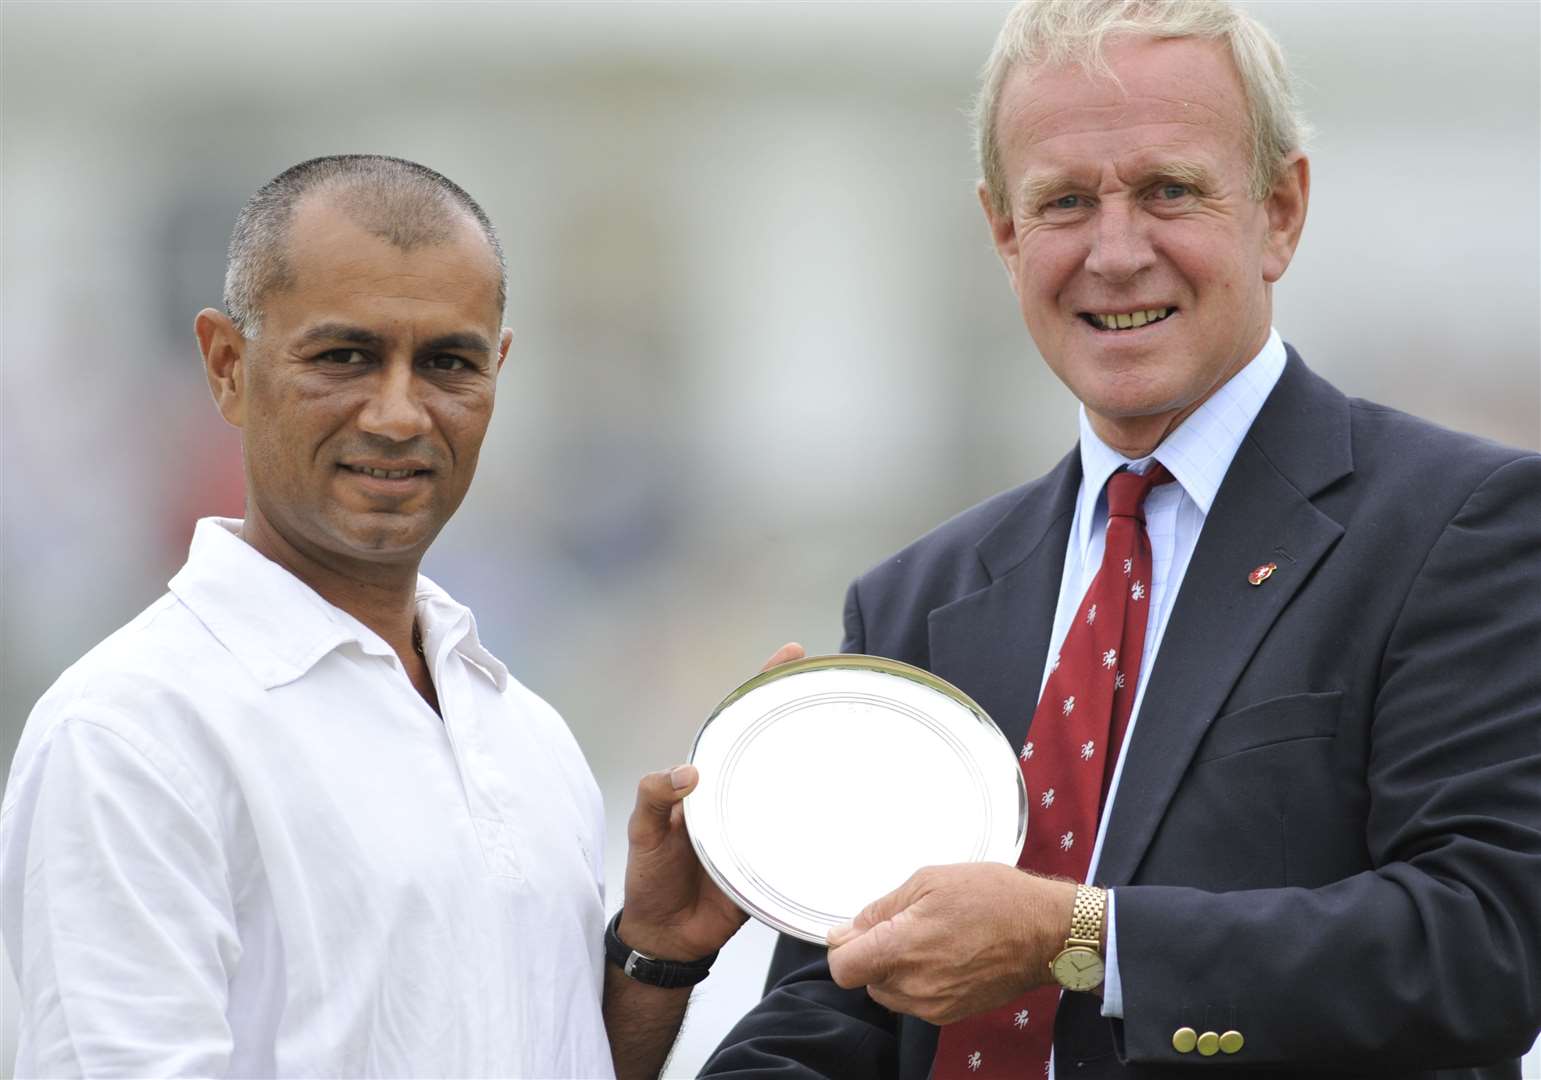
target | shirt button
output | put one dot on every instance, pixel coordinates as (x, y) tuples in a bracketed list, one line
[(1231, 1042), (1209, 1044), (1184, 1039)]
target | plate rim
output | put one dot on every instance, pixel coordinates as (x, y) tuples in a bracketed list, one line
[(856, 661)]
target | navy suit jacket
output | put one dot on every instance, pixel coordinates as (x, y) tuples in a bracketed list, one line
[(1327, 834)]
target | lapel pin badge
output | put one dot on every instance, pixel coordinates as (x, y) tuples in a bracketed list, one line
[(1262, 573)]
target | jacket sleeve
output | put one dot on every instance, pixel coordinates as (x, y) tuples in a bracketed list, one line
[(806, 1026), (1432, 957)]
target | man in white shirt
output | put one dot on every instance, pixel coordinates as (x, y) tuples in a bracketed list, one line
[(1317, 843), (295, 819)]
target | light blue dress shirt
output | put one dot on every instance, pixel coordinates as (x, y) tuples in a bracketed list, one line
[(1197, 454)]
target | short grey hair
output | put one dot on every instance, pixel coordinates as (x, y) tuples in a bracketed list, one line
[(400, 201), (1047, 33)]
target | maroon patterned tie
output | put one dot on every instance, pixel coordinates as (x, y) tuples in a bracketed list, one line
[(1072, 746)]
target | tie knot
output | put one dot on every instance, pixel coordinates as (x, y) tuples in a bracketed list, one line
[(1127, 490)]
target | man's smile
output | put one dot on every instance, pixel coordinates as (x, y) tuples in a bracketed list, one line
[(390, 479), (1118, 321), (394, 471)]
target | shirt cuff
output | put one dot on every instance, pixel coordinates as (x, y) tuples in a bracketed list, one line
[(1112, 985)]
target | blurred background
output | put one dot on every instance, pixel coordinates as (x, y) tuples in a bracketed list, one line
[(761, 338)]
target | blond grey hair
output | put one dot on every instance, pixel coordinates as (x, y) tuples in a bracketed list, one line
[(1048, 33)]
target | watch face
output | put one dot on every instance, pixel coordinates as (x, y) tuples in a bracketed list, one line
[(1078, 968)]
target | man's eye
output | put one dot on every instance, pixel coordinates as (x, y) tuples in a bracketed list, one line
[(1171, 192), (1066, 202), (345, 357), (447, 362)]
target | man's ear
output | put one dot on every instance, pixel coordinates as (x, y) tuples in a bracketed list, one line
[(1286, 207), (504, 341), (1003, 230), (224, 354)]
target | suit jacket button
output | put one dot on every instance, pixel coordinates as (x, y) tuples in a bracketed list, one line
[(1209, 1044), (1231, 1041), (1184, 1039)]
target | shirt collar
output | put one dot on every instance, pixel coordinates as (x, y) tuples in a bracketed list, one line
[(1199, 452), (278, 627), (445, 620)]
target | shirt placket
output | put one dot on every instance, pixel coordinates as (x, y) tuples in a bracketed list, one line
[(488, 794)]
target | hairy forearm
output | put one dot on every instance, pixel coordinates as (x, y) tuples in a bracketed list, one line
[(642, 1022)]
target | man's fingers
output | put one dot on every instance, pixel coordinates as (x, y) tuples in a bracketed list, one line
[(880, 910), (893, 1002), (864, 950), (682, 780), (658, 794), (784, 655), (862, 960)]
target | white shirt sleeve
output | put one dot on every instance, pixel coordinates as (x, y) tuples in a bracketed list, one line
[(1112, 985), (117, 911)]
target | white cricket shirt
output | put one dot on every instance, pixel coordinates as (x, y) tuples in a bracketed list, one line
[(236, 841)]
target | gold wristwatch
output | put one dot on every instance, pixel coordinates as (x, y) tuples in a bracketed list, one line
[(1079, 965)]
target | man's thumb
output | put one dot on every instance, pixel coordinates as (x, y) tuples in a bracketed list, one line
[(657, 795)]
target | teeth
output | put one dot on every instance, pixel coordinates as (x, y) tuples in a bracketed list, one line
[(1127, 321), (384, 474)]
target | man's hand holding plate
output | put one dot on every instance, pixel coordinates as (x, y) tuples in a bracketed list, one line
[(956, 940), (673, 909)]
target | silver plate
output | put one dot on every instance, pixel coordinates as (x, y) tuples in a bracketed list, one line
[(827, 782)]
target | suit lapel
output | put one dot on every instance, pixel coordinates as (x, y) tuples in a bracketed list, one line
[(992, 643), (1262, 513)]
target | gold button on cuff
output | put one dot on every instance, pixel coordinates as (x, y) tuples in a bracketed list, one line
[(1209, 1044), (1184, 1039), (1231, 1041)]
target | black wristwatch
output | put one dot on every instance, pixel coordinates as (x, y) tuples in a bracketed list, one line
[(669, 974)]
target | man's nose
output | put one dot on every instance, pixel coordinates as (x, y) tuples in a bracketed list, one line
[(1120, 249), (395, 410)]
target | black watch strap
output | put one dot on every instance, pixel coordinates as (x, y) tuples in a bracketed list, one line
[(669, 974)]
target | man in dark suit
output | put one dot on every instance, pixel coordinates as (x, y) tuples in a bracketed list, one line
[(1318, 843)]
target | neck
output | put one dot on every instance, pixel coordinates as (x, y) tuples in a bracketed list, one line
[(382, 596), (1137, 436)]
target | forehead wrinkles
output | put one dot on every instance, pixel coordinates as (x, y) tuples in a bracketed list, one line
[(441, 274), (1122, 142), (1036, 120)]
